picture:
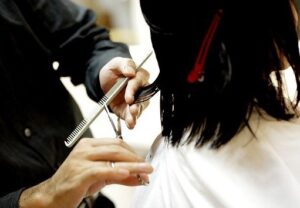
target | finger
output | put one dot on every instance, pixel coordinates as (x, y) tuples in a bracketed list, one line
[(128, 67), (91, 148), (134, 180), (114, 69), (131, 167), (122, 173), (141, 79), (137, 109), (99, 174), (112, 153), (133, 113), (134, 109), (96, 142), (130, 119), (124, 66), (134, 167)]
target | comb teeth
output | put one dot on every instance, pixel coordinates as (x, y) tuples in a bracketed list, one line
[(83, 125), (71, 138), (103, 100)]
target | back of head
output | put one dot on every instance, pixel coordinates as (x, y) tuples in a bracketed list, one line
[(235, 45)]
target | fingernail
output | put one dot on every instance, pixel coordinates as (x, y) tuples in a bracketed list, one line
[(143, 179)]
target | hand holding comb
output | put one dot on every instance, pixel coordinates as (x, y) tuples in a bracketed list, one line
[(105, 101)]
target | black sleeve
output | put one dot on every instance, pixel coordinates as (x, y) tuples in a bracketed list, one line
[(11, 200), (70, 33)]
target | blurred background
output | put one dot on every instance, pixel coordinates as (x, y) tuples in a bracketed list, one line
[(126, 24), (122, 17)]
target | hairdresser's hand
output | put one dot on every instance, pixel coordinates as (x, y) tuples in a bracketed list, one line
[(123, 105), (86, 170)]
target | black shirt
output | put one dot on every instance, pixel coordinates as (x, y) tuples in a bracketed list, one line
[(36, 112)]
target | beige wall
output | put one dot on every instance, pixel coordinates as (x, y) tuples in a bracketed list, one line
[(116, 15)]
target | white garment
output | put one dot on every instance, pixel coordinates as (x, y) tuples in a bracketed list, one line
[(245, 173)]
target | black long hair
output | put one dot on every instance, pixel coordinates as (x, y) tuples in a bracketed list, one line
[(251, 41)]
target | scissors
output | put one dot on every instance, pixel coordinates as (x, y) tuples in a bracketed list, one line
[(118, 131), (105, 100)]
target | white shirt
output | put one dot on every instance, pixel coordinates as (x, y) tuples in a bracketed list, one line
[(248, 172)]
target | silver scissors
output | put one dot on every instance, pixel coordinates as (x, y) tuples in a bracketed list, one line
[(118, 131), (117, 128)]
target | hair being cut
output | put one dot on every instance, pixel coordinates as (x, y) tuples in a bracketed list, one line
[(250, 42)]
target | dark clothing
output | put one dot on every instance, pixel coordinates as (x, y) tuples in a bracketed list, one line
[(36, 112)]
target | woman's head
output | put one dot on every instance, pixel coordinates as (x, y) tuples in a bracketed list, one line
[(251, 40)]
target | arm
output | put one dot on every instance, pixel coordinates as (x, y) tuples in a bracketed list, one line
[(83, 49), (71, 36)]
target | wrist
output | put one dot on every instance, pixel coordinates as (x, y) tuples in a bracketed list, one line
[(36, 197)]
